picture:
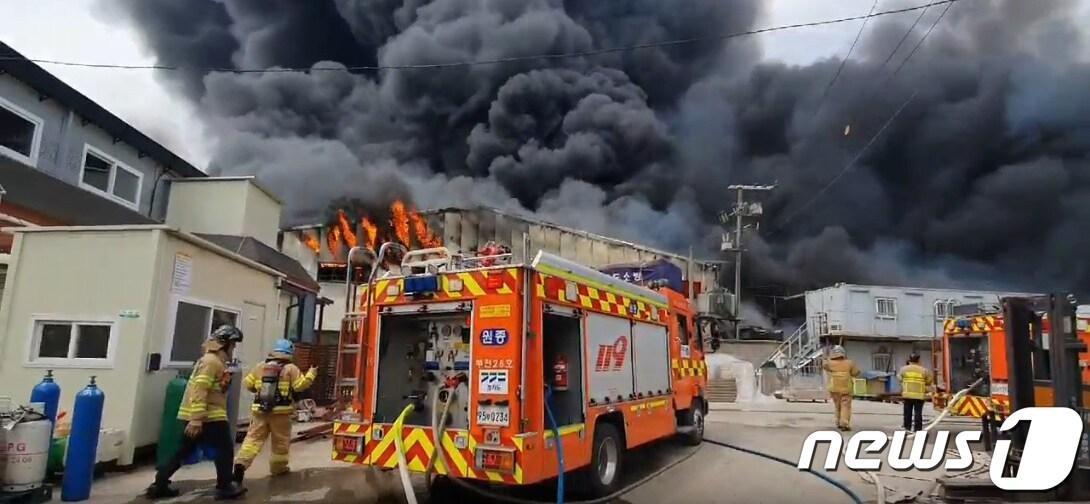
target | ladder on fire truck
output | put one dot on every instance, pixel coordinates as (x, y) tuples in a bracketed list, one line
[(350, 343)]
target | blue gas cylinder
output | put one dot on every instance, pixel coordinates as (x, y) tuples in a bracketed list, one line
[(79, 465), (47, 392)]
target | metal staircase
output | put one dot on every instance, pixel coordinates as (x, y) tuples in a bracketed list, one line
[(797, 365)]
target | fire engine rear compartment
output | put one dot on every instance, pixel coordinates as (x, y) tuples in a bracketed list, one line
[(416, 353), (969, 361), (562, 335)]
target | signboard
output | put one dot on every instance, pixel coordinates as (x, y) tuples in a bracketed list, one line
[(183, 274)]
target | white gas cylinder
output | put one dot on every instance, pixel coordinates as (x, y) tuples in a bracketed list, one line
[(24, 453)]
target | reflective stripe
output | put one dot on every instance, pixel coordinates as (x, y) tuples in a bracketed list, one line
[(249, 381), (256, 408), (914, 385)]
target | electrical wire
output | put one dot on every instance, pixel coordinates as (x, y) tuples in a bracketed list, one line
[(492, 61), (851, 164), (783, 223), (844, 61)]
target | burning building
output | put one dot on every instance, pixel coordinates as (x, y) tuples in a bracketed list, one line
[(466, 230)]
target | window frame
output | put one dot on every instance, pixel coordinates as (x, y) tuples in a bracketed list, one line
[(111, 183), (36, 139), (173, 320), (892, 301), (31, 360)]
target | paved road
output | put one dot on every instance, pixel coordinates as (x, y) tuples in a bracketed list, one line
[(712, 474)]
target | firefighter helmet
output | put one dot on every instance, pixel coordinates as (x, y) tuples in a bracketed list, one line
[(283, 346), (226, 333), (837, 352)]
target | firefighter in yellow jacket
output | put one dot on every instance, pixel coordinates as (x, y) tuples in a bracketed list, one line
[(274, 383), (841, 370), (204, 413), (915, 380)]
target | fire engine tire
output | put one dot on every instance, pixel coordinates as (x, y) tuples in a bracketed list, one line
[(693, 417), (603, 475)]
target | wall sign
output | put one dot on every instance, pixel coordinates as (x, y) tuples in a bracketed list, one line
[(183, 274)]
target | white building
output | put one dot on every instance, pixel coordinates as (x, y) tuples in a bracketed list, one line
[(132, 304), (880, 326)]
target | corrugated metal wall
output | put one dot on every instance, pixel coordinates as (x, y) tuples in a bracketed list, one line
[(469, 229)]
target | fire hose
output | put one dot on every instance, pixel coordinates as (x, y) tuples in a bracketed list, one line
[(872, 477), (439, 425)]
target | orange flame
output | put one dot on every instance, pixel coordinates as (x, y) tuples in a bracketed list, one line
[(346, 229), (400, 222), (424, 236), (371, 232), (311, 242), (333, 239)]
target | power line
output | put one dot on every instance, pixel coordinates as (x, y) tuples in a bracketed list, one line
[(903, 39), (494, 61), (790, 217), (844, 61), (851, 164)]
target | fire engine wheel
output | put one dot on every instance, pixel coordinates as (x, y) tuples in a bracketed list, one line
[(603, 476), (694, 417)]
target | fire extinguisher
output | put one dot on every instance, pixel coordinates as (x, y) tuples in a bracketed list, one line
[(560, 374)]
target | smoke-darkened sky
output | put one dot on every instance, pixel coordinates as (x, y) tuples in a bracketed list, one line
[(982, 180)]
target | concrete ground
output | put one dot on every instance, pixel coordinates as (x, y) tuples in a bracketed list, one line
[(711, 474)]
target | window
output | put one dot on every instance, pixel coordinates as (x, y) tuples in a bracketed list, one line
[(683, 329), (881, 358), (105, 175), (335, 273), (71, 342), (885, 307), (943, 308), (193, 322), (20, 133)]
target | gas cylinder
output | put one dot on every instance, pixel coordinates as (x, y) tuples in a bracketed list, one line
[(79, 465), (49, 393), (170, 428), (24, 449)]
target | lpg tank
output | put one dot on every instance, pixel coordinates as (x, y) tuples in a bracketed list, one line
[(24, 448)]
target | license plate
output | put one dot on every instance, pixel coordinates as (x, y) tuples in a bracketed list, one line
[(347, 444), (493, 415)]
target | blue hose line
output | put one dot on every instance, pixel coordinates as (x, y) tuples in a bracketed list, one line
[(559, 446), (855, 498)]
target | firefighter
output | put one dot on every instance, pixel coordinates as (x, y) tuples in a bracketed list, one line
[(915, 380), (841, 371), (274, 383), (204, 412)]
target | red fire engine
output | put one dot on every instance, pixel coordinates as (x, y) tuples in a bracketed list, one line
[(486, 350)]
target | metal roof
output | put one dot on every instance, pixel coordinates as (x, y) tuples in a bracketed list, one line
[(255, 250), (49, 86)]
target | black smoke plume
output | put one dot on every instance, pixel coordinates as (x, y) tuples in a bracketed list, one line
[(982, 181)]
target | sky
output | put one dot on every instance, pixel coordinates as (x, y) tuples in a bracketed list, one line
[(91, 31)]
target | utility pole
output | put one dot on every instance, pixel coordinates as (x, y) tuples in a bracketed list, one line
[(733, 241)]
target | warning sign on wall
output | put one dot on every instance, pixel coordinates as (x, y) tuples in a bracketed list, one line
[(183, 274)]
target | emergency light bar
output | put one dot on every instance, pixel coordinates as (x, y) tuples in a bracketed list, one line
[(415, 286)]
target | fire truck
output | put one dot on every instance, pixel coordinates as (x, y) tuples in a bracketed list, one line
[(501, 361), (975, 352)]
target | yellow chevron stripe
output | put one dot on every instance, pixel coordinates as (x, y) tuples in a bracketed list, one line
[(446, 289), (384, 443), (471, 284), (453, 455), (380, 291)]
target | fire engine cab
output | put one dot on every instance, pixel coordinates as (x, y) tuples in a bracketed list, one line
[(502, 361)]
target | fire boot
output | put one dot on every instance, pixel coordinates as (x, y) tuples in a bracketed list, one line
[(230, 492), (240, 472), (161, 491)]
